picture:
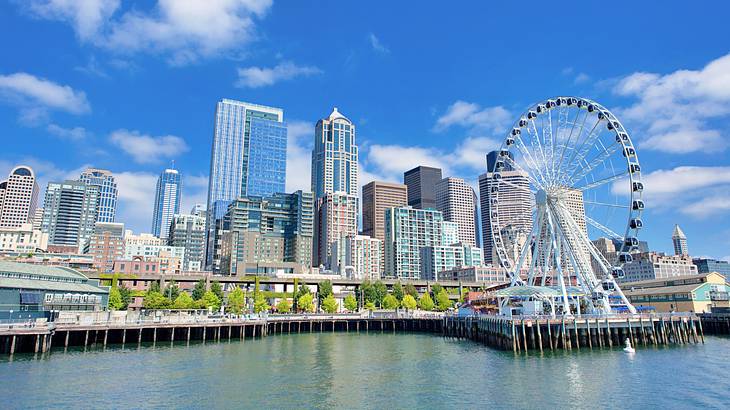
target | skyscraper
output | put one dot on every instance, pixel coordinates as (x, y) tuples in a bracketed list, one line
[(421, 182), (167, 202), (69, 213), (188, 231), (455, 200), (407, 230), (679, 240), (335, 156), (248, 157), (337, 217), (18, 197), (104, 180), (378, 196)]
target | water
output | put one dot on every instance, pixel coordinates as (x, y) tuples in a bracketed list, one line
[(381, 371)]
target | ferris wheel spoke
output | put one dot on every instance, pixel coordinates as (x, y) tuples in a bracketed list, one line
[(594, 162), (603, 181), (580, 131), (573, 156), (541, 164), (585, 150), (605, 229), (606, 204), (531, 163)]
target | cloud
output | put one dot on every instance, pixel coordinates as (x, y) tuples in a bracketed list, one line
[(136, 193), (299, 155), (72, 134), (255, 77), (471, 115), (195, 191), (390, 161), (45, 172), (92, 68), (675, 110), (146, 149), (36, 95), (581, 78), (472, 152), (377, 45), (183, 30)]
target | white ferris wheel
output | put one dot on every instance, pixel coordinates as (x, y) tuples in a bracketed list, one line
[(572, 165)]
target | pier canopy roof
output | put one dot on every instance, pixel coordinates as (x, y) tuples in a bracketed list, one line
[(537, 292)]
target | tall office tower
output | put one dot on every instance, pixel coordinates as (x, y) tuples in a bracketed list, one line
[(265, 234), (513, 211), (450, 233), (407, 230), (492, 157), (336, 220), (38, 218), (18, 197), (106, 245), (107, 192), (248, 157), (167, 202), (335, 156), (477, 226), (455, 200), (69, 213), (378, 196), (198, 210), (363, 258), (421, 182), (679, 240), (188, 231)]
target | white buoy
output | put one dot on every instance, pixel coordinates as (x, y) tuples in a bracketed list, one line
[(628, 348)]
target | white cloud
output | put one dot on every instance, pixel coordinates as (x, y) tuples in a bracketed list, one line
[(195, 191), (377, 45), (136, 192), (390, 161), (472, 152), (300, 135), (581, 78), (38, 94), (146, 149), (471, 115), (255, 77), (675, 110), (86, 16), (72, 134)]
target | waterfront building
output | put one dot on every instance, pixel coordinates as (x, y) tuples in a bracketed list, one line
[(188, 232), (407, 230), (335, 156), (679, 240), (698, 293), (276, 229), (106, 245), (104, 180), (707, 265), (74, 260), (27, 289), (513, 211), (336, 219), (248, 158), (131, 239), (657, 265), (69, 214), (436, 259), (421, 182), (455, 200), (23, 239), (167, 202), (450, 233), (18, 197), (363, 258), (486, 274)]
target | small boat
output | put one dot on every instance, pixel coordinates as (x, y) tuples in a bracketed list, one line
[(628, 348)]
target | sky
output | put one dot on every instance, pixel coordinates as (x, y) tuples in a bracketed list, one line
[(132, 86)]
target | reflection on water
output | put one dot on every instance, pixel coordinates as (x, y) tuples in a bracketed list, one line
[(366, 371)]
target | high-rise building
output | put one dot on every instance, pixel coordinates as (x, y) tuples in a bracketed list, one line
[(188, 232), (248, 158), (455, 200), (69, 213), (106, 245), (407, 230), (437, 259), (38, 218), (264, 230), (679, 240), (18, 197), (198, 210), (336, 220), (104, 180), (335, 156), (513, 211), (167, 202), (450, 233), (363, 258), (421, 182), (706, 265), (377, 196)]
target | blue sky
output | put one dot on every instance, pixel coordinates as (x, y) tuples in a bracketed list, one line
[(132, 86)]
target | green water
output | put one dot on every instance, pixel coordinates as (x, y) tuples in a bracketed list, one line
[(381, 371)]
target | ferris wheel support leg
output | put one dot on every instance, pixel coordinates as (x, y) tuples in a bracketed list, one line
[(558, 265)]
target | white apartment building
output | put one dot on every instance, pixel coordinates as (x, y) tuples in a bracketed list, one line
[(23, 239), (363, 258), (657, 265)]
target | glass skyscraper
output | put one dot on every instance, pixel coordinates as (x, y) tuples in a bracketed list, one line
[(104, 180), (167, 202), (335, 156), (248, 157)]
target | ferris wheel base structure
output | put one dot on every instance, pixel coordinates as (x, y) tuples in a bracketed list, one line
[(574, 164)]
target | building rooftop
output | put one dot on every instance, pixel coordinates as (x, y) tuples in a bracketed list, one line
[(60, 272), (678, 233), (337, 115)]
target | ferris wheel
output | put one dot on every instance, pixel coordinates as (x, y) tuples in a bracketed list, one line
[(567, 171)]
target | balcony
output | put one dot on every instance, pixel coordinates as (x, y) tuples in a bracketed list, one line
[(716, 296)]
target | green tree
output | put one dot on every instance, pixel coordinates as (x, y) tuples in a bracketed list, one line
[(409, 302), (425, 302), (369, 293), (390, 302), (305, 303), (210, 301), (126, 296), (115, 299), (350, 303), (216, 288), (370, 306), (284, 306), (411, 290), (183, 301), (325, 289), (442, 300), (329, 304), (380, 291), (260, 304), (236, 301), (155, 287), (398, 291), (155, 300), (199, 289), (436, 289), (303, 289), (172, 290)]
